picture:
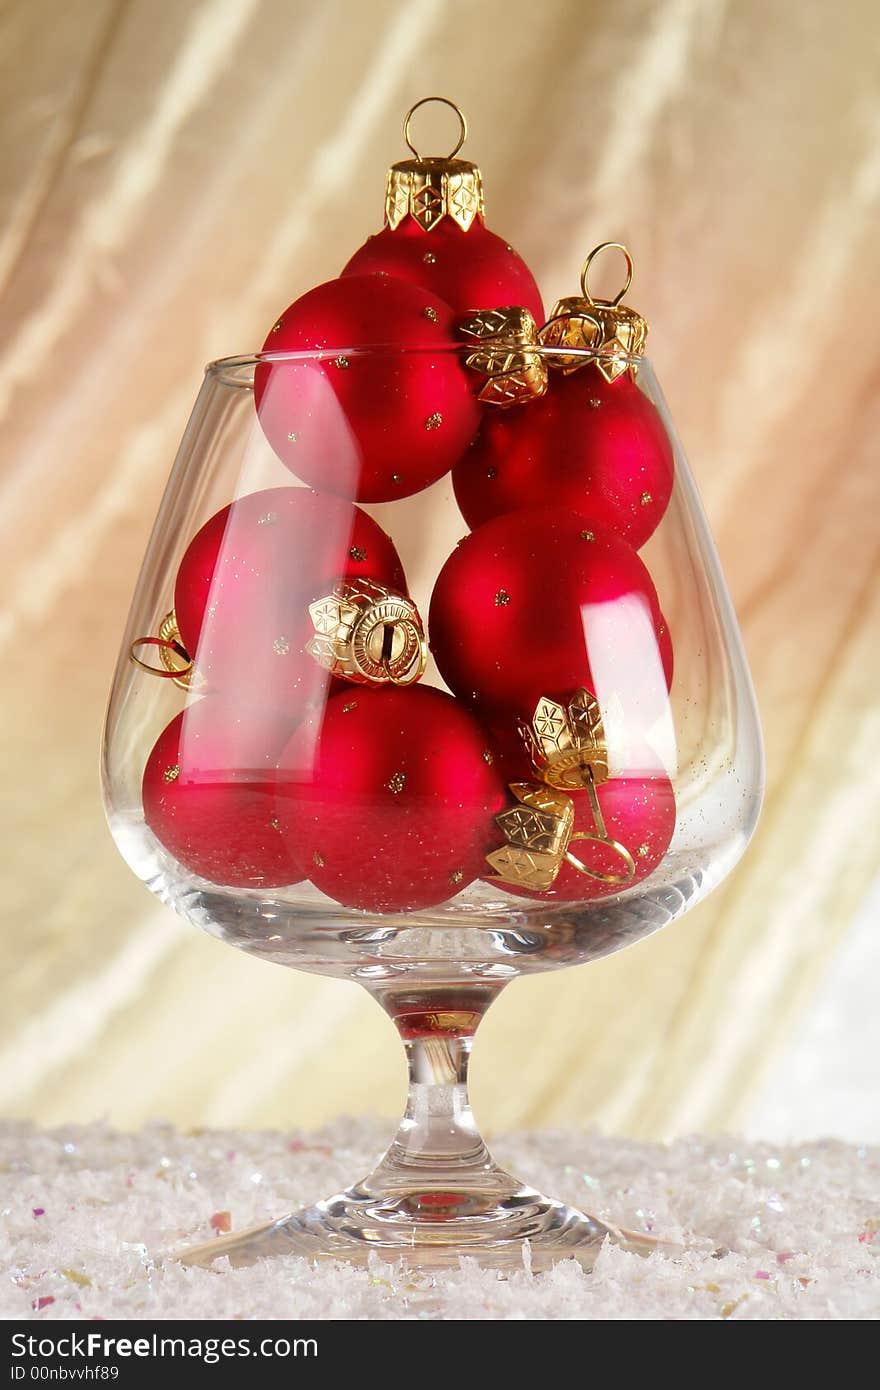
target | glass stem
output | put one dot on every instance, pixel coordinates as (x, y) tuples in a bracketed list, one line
[(438, 1146)]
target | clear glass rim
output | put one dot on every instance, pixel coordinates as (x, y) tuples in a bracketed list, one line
[(233, 366)]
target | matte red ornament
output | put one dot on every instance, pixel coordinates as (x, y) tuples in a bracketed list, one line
[(375, 427), (470, 270), (209, 794), (538, 604), (589, 446), (389, 798), (248, 576), (639, 813)]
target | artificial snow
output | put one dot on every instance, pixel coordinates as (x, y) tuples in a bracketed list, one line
[(89, 1216)]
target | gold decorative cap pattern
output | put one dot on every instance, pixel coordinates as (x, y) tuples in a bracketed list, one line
[(566, 743), (367, 633), (606, 327), (428, 188), (507, 337), (539, 833)]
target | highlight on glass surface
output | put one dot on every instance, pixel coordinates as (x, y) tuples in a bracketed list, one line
[(431, 680)]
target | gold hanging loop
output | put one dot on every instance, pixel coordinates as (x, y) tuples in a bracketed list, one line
[(601, 837), (585, 273), (164, 672), (172, 653), (559, 329), (423, 101), (415, 669), (428, 188)]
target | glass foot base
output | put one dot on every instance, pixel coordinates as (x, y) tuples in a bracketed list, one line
[(427, 1230)]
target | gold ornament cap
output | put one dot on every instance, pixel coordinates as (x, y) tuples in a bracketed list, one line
[(368, 634), (505, 354), (428, 188), (615, 333), (539, 833), (566, 743)]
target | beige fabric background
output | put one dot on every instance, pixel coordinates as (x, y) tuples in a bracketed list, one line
[(174, 172)]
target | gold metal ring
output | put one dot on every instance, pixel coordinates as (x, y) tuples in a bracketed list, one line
[(601, 837), (607, 246), (446, 102), (616, 848), (416, 667), (581, 317), (166, 644)]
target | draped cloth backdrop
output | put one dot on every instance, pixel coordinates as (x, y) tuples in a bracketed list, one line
[(173, 172)]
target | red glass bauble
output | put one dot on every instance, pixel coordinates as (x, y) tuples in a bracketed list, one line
[(248, 576), (473, 269), (209, 794), (639, 813), (539, 604), (376, 426), (389, 798), (588, 446)]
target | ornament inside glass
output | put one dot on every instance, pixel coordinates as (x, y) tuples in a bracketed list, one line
[(534, 604)]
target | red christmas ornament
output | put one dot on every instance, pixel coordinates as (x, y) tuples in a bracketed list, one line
[(538, 604), (209, 794), (248, 576), (638, 814), (435, 236), (376, 426), (590, 446), (389, 798), (469, 270)]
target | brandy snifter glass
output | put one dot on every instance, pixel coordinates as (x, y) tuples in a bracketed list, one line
[(436, 960)]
